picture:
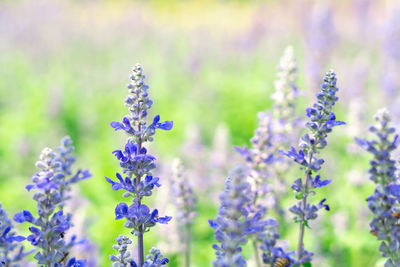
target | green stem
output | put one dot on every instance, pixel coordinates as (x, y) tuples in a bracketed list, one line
[(256, 253), (300, 243), (187, 246)]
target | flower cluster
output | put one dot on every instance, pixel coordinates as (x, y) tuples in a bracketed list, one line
[(123, 258), (64, 155), (234, 223), (10, 250), (274, 132), (271, 251), (184, 198), (155, 258), (384, 202), (136, 164), (48, 230), (322, 120), (185, 202), (286, 89), (268, 167)]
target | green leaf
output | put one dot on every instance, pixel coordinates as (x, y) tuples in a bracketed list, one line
[(299, 195), (306, 264)]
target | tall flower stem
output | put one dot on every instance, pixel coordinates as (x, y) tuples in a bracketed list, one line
[(140, 247), (304, 205), (322, 120), (256, 252)]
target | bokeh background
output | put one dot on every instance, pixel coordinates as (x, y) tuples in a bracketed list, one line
[(210, 66)]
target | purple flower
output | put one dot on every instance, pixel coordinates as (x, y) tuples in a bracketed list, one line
[(317, 182), (76, 263), (385, 199), (137, 165), (139, 216), (321, 120), (125, 125), (23, 216), (51, 184), (298, 157), (166, 125)]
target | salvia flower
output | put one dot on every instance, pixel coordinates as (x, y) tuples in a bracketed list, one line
[(272, 252), (155, 258), (76, 263), (321, 121), (136, 164), (233, 223), (185, 202), (123, 259), (285, 86), (139, 217), (184, 197), (384, 202), (48, 229), (10, 250), (64, 155), (274, 132)]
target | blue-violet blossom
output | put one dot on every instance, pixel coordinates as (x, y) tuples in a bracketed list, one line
[(233, 223), (136, 164), (48, 230), (384, 202), (185, 202), (321, 121), (10, 250)]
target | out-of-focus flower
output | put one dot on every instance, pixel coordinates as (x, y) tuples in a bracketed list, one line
[(384, 202), (123, 259), (50, 226), (10, 250), (185, 202), (136, 163), (233, 223)]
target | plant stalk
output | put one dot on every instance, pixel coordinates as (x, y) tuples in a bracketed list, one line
[(256, 252), (300, 244)]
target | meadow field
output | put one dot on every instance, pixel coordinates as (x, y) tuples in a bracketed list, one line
[(211, 67)]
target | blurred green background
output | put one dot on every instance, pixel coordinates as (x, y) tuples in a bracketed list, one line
[(63, 70)]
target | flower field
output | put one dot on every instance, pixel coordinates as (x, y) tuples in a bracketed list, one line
[(199, 133)]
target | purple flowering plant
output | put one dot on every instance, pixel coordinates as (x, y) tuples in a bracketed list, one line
[(11, 251), (267, 166), (137, 168), (185, 201), (321, 121), (384, 202), (234, 224), (51, 185)]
